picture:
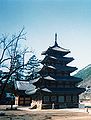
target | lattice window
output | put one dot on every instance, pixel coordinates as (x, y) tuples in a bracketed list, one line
[(46, 99), (60, 98), (53, 98), (75, 98), (68, 98)]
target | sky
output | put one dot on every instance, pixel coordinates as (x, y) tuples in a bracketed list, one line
[(70, 19)]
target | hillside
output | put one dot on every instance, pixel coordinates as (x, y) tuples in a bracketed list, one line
[(85, 74)]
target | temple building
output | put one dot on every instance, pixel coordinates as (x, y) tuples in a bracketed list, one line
[(56, 88)]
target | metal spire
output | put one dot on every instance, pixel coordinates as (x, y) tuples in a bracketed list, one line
[(56, 39)]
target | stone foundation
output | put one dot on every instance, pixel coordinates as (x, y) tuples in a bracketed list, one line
[(36, 104)]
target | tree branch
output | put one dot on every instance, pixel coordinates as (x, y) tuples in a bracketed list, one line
[(7, 78)]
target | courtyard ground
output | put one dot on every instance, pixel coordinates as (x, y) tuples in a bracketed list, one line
[(24, 113)]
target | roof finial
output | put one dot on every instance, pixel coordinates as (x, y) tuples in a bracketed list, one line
[(56, 39)]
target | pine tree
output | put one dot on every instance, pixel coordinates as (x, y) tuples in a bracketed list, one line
[(32, 68)]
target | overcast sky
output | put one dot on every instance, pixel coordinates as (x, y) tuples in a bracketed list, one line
[(70, 19)]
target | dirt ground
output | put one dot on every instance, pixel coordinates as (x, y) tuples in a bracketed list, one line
[(28, 114)]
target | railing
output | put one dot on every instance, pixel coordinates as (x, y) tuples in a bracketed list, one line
[(60, 105)]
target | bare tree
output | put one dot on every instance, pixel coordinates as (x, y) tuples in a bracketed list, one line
[(9, 52)]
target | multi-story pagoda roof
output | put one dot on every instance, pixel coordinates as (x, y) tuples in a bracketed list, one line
[(58, 79), (59, 68), (56, 49), (55, 79), (59, 59)]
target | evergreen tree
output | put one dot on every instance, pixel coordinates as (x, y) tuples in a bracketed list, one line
[(33, 67), (32, 70)]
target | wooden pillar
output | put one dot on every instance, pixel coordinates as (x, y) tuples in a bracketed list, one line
[(16, 100)]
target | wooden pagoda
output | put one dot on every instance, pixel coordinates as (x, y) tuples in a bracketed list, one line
[(56, 88)]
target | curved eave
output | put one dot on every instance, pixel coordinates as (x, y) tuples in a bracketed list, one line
[(31, 92), (67, 78), (64, 90), (34, 81), (58, 79), (56, 49), (37, 90), (57, 91), (63, 68), (61, 59), (51, 52), (59, 69), (46, 90), (60, 49)]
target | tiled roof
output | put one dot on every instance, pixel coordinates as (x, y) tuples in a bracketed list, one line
[(56, 48), (30, 92), (58, 90), (64, 78), (64, 90), (36, 90), (65, 59), (61, 68), (23, 85)]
